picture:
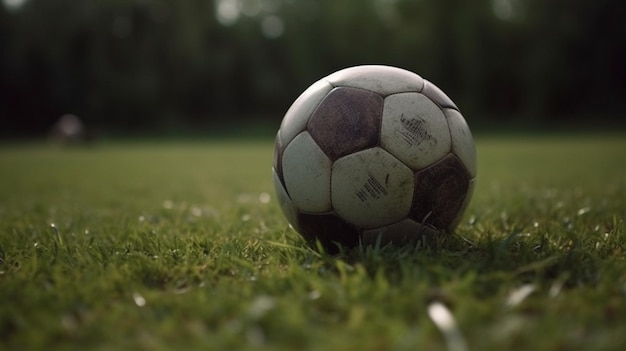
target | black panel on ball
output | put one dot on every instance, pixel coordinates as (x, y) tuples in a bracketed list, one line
[(440, 191), (329, 229), (346, 121)]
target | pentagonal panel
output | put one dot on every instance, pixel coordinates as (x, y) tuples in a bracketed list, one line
[(403, 232), (440, 191), (306, 171), (414, 129), (464, 205), (462, 142), (329, 229), (371, 188), (437, 95), (285, 203), (298, 115), (383, 80), (347, 120)]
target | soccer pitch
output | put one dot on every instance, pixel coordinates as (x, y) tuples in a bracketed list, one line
[(181, 245)]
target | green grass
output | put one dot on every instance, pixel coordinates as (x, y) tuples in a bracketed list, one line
[(160, 246)]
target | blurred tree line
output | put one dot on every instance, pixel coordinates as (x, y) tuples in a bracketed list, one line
[(146, 64)]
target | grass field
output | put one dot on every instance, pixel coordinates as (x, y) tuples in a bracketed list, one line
[(180, 245)]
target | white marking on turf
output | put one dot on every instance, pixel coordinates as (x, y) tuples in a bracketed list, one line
[(444, 320), (520, 294)]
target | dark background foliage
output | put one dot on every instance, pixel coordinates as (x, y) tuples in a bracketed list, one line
[(146, 65)]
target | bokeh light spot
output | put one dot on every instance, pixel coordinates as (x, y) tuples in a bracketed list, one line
[(13, 4), (250, 8), (502, 9), (272, 26), (227, 12)]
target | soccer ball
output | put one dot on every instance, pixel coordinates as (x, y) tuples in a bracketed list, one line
[(373, 154)]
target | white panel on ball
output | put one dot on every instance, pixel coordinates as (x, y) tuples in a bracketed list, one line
[(371, 188), (286, 205), (297, 116), (462, 142), (398, 233), (380, 79), (306, 170), (414, 129)]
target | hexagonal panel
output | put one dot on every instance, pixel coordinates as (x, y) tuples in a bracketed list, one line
[(329, 229), (306, 171), (403, 232), (462, 142), (371, 188), (437, 95), (285, 203), (298, 115), (440, 191), (414, 129), (347, 120), (381, 79)]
